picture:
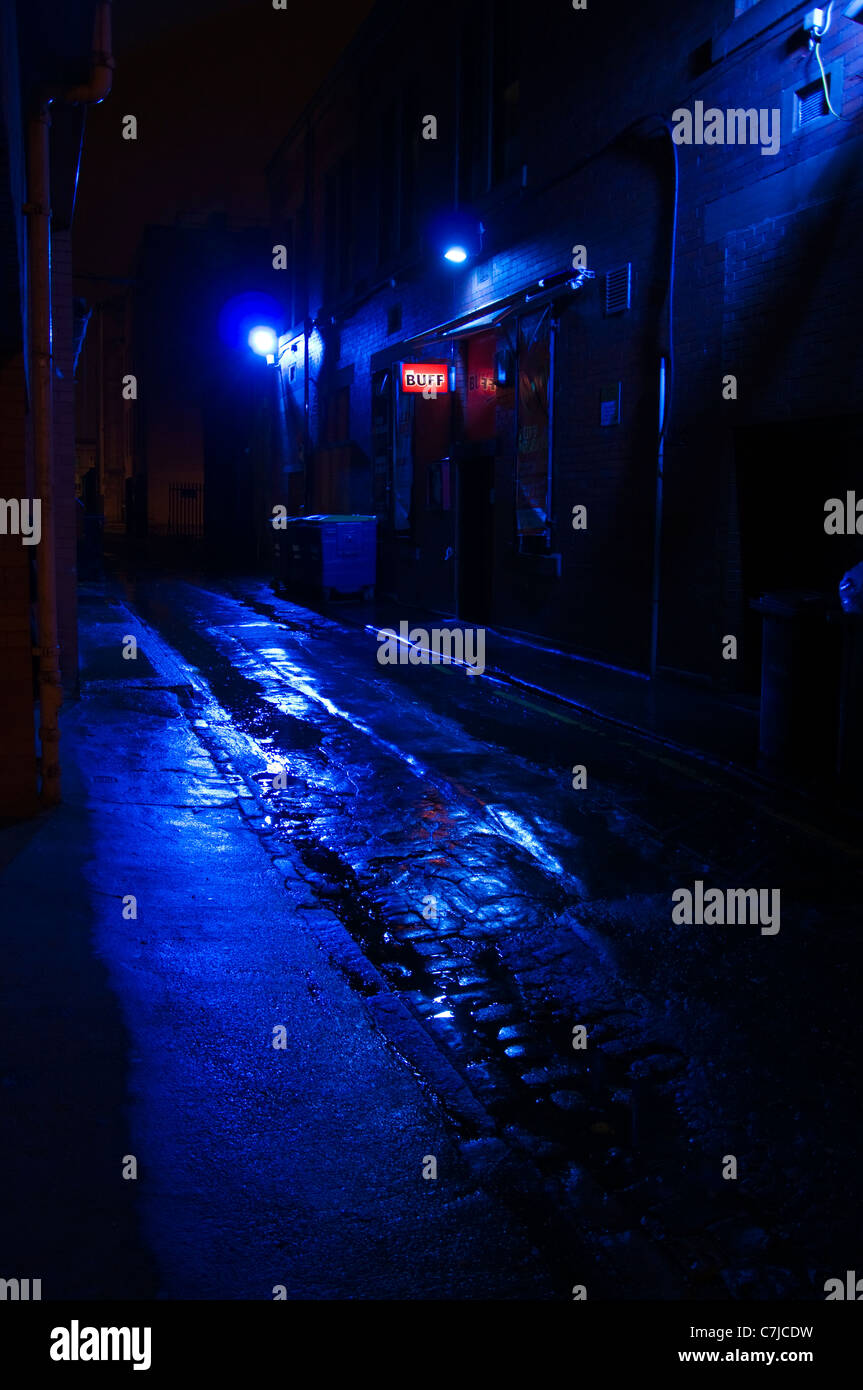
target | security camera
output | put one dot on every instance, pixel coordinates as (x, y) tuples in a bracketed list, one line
[(854, 11)]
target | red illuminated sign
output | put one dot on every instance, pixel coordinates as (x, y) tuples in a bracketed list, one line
[(418, 377)]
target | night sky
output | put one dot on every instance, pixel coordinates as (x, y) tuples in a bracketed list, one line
[(215, 86)]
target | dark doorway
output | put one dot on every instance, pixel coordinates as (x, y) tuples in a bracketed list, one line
[(475, 536), (785, 474)]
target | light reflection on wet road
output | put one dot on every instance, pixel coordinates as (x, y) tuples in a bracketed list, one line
[(435, 815)]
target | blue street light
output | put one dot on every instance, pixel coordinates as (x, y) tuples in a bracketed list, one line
[(251, 322), (264, 341), (456, 236)]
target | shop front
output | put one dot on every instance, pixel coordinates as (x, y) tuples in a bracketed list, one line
[(462, 426)]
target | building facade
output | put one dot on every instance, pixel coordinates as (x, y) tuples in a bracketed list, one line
[(651, 370), (199, 470), (43, 52)]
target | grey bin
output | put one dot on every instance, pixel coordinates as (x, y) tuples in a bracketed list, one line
[(800, 682), (328, 554)]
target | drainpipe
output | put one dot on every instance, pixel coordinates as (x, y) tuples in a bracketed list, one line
[(657, 523), (100, 474), (666, 389), (308, 322), (39, 250), (307, 433), (38, 211)]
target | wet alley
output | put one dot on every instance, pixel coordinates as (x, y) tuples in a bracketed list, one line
[(393, 986)]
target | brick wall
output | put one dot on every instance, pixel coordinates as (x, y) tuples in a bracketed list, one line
[(18, 784), (767, 289), (65, 518)]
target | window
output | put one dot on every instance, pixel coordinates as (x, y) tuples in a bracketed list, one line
[(346, 222), (489, 95), (533, 451), (407, 182), (331, 231), (338, 227), (387, 184), (301, 272), (475, 103), (398, 156), (507, 91)]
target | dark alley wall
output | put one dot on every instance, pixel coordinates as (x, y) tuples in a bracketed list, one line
[(16, 688), (766, 290), (26, 64)]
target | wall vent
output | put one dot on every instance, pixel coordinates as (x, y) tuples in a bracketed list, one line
[(810, 103), (618, 289)]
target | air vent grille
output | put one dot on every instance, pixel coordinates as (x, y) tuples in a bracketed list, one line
[(618, 289), (812, 103)]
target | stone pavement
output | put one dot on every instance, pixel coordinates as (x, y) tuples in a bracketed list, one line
[(147, 1031)]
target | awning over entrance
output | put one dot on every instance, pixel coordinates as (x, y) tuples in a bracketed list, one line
[(489, 316)]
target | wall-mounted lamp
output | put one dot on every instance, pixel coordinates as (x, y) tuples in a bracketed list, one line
[(457, 236), (264, 341)]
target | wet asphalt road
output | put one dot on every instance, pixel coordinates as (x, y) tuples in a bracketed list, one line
[(434, 814)]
